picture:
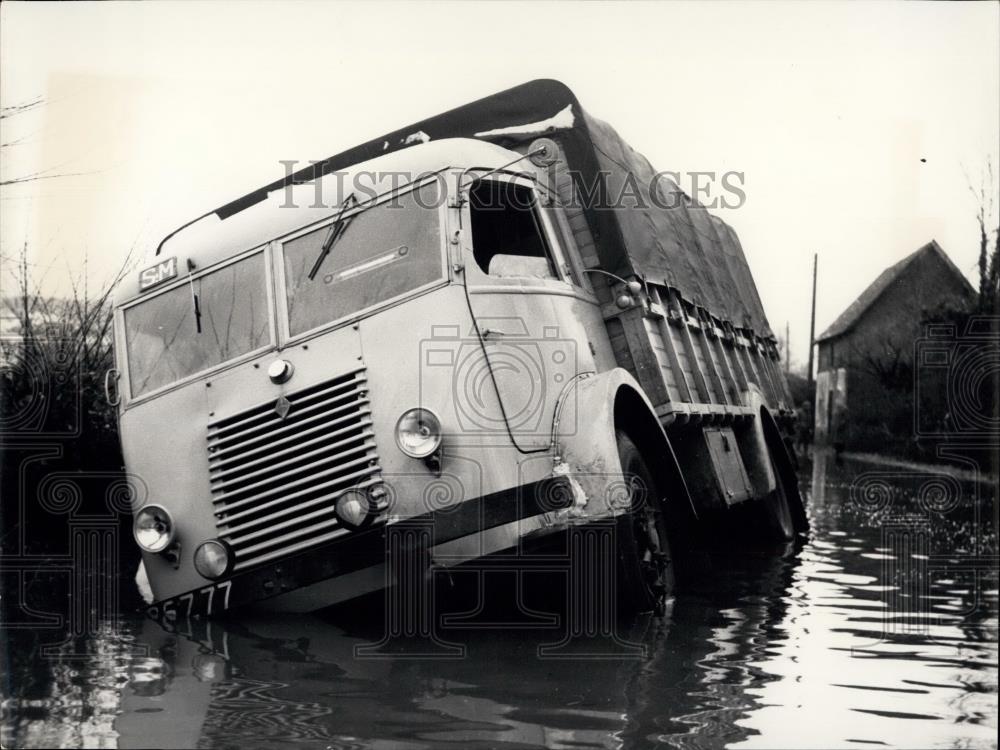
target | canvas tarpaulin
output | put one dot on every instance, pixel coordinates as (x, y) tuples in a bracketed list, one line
[(671, 240)]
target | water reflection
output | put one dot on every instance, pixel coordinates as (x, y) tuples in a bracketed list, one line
[(880, 630)]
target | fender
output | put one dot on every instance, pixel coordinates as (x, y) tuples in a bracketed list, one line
[(760, 440), (753, 444), (586, 449), (785, 467)]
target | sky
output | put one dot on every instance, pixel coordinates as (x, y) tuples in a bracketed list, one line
[(858, 127)]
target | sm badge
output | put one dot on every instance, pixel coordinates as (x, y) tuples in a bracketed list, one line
[(157, 274)]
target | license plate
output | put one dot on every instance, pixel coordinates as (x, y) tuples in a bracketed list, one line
[(202, 602)]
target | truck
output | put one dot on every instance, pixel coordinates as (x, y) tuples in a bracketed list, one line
[(474, 335)]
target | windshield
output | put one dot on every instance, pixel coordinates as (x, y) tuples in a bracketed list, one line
[(162, 333), (385, 251)]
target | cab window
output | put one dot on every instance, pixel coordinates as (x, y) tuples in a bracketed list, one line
[(215, 317), (507, 236), (385, 251)]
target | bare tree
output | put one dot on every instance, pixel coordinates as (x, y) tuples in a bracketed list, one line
[(887, 360), (989, 259), (74, 331)]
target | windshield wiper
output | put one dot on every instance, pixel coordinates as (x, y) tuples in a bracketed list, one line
[(194, 298), (337, 230), (197, 314)]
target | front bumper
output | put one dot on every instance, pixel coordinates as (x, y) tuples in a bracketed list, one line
[(518, 512)]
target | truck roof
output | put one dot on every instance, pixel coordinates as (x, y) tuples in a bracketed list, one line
[(683, 246), (215, 238)]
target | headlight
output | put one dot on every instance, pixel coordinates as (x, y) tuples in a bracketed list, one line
[(418, 433), (354, 508), (212, 559), (153, 528)]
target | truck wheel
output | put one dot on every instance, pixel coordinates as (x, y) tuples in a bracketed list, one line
[(776, 514), (645, 565), (786, 510)]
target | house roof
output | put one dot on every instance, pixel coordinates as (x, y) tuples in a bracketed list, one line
[(847, 319)]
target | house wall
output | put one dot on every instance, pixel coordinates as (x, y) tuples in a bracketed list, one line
[(876, 354), (831, 399)]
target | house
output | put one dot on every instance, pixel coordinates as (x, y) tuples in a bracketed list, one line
[(865, 358)]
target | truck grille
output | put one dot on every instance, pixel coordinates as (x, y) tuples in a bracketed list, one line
[(274, 480)]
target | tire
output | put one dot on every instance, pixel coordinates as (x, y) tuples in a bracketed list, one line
[(776, 521), (785, 512), (644, 561), (768, 522)]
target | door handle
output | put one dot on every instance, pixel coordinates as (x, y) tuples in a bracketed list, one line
[(112, 372)]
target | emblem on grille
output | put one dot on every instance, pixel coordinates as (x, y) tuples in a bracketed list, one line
[(282, 406)]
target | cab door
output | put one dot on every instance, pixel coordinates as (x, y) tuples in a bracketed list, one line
[(539, 325)]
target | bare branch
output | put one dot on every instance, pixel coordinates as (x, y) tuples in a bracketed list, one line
[(36, 177), (17, 109)]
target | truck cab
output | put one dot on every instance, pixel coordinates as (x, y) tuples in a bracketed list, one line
[(432, 339)]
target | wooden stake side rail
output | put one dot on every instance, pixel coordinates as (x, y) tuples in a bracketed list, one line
[(695, 368)]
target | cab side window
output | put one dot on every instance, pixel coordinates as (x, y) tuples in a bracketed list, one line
[(507, 235)]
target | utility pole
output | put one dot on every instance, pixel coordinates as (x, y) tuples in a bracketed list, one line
[(812, 325)]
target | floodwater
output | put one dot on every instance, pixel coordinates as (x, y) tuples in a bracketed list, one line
[(881, 630)]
